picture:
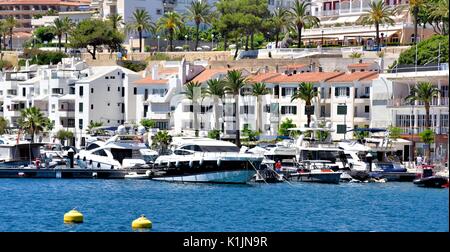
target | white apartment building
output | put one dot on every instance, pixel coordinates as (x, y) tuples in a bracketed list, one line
[(71, 94), (160, 97), (390, 108)]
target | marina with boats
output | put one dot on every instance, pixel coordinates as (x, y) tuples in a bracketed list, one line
[(128, 154)]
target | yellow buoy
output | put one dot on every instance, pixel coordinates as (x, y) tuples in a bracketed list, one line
[(73, 216), (141, 222)]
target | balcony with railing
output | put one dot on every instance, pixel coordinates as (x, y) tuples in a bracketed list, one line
[(400, 102)]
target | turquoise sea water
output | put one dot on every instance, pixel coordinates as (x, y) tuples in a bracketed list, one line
[(111, 205)]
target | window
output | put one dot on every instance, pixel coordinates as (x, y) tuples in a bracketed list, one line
[(109, 88), (341, 128), (109, 104), (57, 91), (118, 89), (246, 109), (266, 108), (123, 91), (80, 123), (342, 109), (24, 92), (146, 94), (92, 106), (80, 107), (92, 90), (107, 77), (288, 91), (158, 12), (267, 127), (367, 109), (342, 91), (81, 91), (288, 110), (135, 91), (367, 90)]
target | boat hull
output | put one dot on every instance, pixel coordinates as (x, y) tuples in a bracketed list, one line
[(325, 177), (222, 177), (433, 181)]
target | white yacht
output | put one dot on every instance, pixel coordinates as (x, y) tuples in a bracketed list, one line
[(206, 160), (118, 152)]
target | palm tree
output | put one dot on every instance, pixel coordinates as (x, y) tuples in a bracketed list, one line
[(259, 89), (280, 22), (141, 22), (4, 123), (301, 18), (414, 8), (378, 14), (3, 32), (305, 92), (10, 24), (161, 140), (216, 89), (234, 82), (199, 12), (92, 126), (423, 92), (59, 28), (439, 12), (68, 26), (170, 22), (193, 93), (32, 120), (116, 20)]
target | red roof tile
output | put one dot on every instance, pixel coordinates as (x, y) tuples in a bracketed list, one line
[(208, 74), (304, 77), (262, 77), (356, 76), (149, 80)]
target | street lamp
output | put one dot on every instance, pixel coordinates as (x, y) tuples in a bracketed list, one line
[(131, 44), (185, 39), (322, 39), (421, 34), (212, 41), (158, 41)]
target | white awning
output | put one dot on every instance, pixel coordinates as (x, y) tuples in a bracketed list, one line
[(66, 97)]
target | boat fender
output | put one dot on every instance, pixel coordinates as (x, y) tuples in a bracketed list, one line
[(148, 173), (98, 165), (201, 161), (177, 163), (84, 159), (219, 161), (191, 163)]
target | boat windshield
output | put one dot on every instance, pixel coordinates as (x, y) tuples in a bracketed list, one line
[(220, 148), (331, 156)]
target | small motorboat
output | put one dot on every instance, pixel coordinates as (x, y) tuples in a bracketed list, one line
[(428, 179), (135, 175)]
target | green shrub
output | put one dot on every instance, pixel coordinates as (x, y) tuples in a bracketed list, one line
[(427, 52), (148, 123), (5, 64), (39, 57), (214, 134), (135, 66), (285, 125)]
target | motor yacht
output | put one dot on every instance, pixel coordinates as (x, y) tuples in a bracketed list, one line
[(205, 160)]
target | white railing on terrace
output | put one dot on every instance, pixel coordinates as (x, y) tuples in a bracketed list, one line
[(400, 102), (349, 29)]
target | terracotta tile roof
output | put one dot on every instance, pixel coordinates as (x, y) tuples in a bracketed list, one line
[(168, 71), (149, 80), (208, 74), (261, 77), (361, 64), (356, 76), (305, 77)]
